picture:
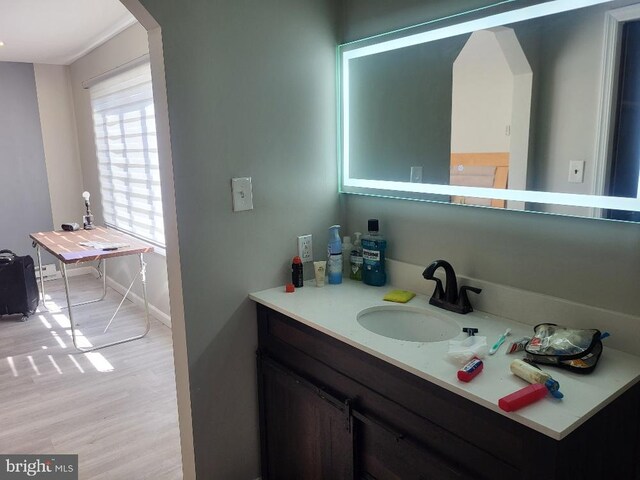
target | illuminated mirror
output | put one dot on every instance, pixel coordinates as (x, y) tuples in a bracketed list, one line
[(527, 109)]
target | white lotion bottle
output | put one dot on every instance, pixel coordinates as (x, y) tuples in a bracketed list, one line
[(346, 254)]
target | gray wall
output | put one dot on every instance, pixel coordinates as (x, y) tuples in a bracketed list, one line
[(24, 191), (589, 261), (364, 18), (565, 51), (392, 98), (251, 92)]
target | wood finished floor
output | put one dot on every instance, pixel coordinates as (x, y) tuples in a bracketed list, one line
[(115, 408)]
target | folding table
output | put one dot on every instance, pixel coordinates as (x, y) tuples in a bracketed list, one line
[(67, 248)]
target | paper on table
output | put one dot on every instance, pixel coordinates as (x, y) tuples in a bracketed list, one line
[(104, 245)]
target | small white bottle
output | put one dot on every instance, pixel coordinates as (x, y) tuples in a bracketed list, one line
[(355, 259), (346, 254)]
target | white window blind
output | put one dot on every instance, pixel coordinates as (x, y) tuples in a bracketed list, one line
[(125, 133)]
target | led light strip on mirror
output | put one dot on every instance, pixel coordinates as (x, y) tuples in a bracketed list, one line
[(352, 51)]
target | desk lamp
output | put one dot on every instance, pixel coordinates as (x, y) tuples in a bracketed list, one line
[(88, 218)]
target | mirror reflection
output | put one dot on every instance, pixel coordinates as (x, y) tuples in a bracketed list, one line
[(549, 104)]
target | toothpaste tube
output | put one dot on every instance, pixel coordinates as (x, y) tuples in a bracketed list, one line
[(470, 370), (518, 345)]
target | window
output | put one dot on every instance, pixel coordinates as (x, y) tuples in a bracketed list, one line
[(127, 151)]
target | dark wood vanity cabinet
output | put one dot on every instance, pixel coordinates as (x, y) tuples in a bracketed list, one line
[(301, 426), (331, 411)]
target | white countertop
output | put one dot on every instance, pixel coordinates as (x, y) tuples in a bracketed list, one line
[(333, 309)]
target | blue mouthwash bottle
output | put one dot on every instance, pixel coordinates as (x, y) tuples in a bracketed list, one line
[(373, 247)]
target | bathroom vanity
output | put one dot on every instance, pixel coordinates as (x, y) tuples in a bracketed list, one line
[(339, 401)]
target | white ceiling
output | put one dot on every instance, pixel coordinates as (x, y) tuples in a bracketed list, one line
[(58, 31)]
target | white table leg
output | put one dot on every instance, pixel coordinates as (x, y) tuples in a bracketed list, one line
[(143, 276)]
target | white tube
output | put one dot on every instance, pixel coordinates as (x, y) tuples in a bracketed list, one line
[(528, 372), (319, 269)]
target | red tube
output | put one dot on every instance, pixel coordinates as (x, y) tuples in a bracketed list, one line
[(523, 397)]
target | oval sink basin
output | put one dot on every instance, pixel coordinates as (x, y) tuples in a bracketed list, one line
[(408, 323)]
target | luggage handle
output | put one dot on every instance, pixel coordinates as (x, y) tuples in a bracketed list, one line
[(6, 259)]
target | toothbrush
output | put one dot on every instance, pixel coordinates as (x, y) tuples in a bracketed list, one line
[(500, 341)]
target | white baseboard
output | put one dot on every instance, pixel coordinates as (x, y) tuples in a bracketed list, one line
[(138, 300), (77, 271)]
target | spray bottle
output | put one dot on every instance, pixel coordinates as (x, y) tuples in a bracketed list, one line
[(334, 256)]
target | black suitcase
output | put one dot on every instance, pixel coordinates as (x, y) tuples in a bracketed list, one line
[(18, 286)]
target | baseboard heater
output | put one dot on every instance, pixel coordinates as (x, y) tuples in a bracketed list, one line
[(49, 272)]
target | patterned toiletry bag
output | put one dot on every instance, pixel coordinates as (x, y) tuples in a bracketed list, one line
[(575, 349)]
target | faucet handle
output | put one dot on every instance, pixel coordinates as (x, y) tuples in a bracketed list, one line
[(463, 298), (471, 289)]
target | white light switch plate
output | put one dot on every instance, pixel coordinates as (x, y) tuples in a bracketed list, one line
[(576, 171), (242, 194)]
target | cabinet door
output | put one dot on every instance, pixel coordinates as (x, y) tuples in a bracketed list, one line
[(383, 453), (306, 433)]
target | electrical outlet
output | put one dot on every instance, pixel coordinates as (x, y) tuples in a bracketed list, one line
[(305, 248)]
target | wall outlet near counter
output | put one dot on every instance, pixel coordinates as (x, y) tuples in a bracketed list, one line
[(305, 248)]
